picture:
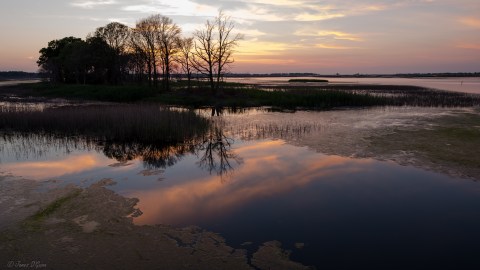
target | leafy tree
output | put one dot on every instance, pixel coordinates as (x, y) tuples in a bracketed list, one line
[(116, 35), (101, 60), (75, 61), (50, 60)]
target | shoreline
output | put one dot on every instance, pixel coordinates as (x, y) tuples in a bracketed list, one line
[(89, 227)]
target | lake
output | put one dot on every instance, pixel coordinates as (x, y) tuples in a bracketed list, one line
[(328, 185), (466, 85)]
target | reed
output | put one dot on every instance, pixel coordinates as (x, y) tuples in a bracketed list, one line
[(145, 123), (293, 96)]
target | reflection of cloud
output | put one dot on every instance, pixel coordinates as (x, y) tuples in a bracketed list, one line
[(53, 169), (271, 172)]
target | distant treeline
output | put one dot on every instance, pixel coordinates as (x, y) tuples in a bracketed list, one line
[(17, 75), (406, 75), (358, 75)]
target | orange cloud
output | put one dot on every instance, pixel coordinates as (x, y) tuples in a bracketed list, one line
[(471, 22), (260, 176), (337, 35), (469, 46), (304, 17), (333, 47)]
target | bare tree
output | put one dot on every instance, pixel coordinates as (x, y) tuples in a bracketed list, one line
[(184, 58), (214, 48), (204, 52), (227, 42), (168, 34), (144, 37)]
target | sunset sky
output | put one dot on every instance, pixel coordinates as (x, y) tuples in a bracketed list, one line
[(321, 36)]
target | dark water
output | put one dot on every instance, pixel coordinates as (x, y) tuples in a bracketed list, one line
[(262, 176)]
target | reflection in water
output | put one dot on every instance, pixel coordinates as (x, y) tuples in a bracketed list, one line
[(270, 169), (153, 155), (54, 168), (372, 212), (215, 152), (151, 135)]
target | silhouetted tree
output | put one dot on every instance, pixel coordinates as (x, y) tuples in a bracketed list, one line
[(168, 35), (75, 60), (214, 47), (116, 35), (184, 58), (50, 60), (102, 58), (144, 38)]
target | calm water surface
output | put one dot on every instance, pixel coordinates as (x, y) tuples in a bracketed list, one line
[(265, 176), (466, 85)]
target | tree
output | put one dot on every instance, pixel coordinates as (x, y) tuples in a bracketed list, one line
[(144, 37), (168, 35), (50, 60), (214, 48), (75, 60), (116, 35), (101, 59), (184, 58)]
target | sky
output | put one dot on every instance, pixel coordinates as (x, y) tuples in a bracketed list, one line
[(319, 36)]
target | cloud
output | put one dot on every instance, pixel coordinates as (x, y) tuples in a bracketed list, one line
[(317, 17), (333, 47), (469, 46), (470, 22), (178, 7), (93, 4), (336, 35), (263, 48)]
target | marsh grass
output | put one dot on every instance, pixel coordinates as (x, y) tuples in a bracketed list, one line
[(158, 135), (145, 123), (120, 93), (250, 96), (388, 95), (237, 95)]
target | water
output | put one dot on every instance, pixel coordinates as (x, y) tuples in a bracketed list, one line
[(466, 85), (298, 178)]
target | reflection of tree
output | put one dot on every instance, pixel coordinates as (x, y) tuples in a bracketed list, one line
[(217, 155), (153, 156)]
